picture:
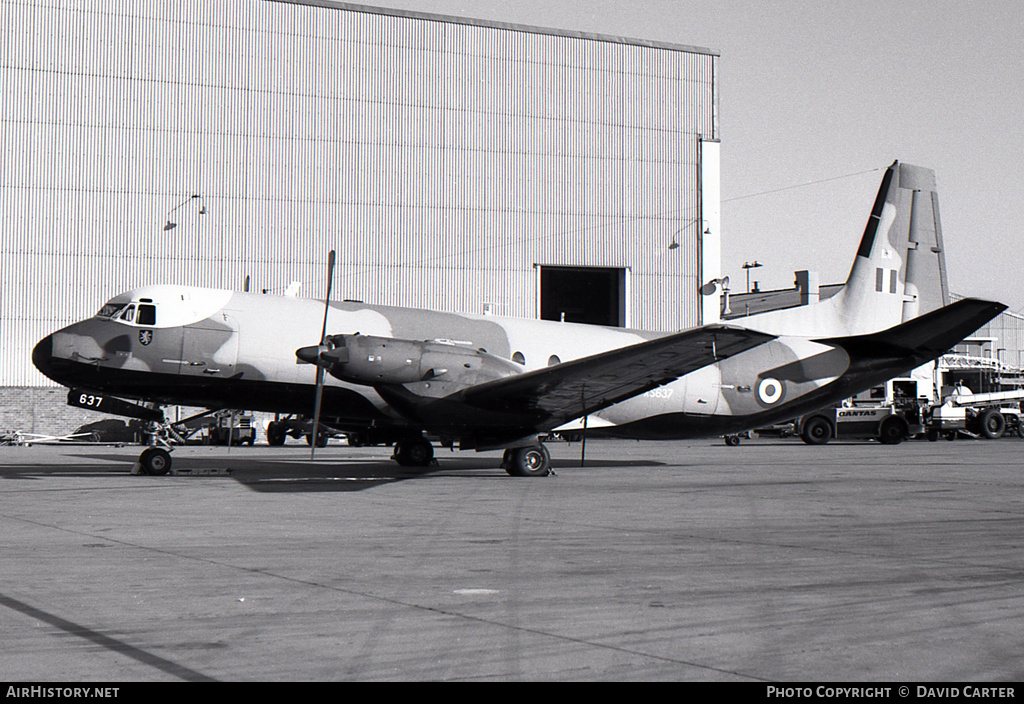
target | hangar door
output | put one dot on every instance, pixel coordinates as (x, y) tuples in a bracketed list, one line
[(594, 295)]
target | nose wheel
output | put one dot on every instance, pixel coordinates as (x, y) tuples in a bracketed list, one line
[(154, 461)]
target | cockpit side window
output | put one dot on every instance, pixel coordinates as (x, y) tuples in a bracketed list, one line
[(129, 314), (110, 310), (147, 314)]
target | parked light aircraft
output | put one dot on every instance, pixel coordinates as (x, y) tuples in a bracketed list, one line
[(404, 376)]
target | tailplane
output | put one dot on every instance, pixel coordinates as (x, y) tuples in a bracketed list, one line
[(898, 273), (924, 338)]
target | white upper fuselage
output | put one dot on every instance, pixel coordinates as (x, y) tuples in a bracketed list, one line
[(221, 336)]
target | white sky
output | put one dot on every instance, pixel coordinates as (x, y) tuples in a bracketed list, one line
[(811, 91)]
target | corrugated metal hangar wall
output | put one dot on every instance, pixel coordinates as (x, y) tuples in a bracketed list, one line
[(449, 162)]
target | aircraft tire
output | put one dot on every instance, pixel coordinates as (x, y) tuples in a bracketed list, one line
[(892, 430), (530, 461), (414, 453), (155, 462), (816, 431)]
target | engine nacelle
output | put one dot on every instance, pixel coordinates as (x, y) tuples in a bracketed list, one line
[(366, 359)]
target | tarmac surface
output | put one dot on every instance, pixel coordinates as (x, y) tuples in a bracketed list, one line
[(772, 561)]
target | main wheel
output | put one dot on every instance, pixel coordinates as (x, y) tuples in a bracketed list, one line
[(155, 461), (414, 453), (532, 461), (817, 431)]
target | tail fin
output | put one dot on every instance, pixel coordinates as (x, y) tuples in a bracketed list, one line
[(899, 271)]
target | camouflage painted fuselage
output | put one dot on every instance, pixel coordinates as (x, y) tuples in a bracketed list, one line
[(222, 349)]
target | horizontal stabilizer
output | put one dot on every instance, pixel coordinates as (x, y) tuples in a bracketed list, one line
[(926, 337)]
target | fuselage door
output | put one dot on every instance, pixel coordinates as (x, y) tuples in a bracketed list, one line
[(209, 348), (702, 389)]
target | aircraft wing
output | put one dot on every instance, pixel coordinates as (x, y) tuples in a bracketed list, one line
[(555, 395)]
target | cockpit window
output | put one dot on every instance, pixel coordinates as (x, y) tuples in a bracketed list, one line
[(110, 310), (147, 314), (137, 314)]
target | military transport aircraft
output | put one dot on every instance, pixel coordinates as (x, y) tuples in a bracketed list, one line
[(406, 376)]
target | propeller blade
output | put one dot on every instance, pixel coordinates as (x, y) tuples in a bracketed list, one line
[(314, 438), (327, 298)]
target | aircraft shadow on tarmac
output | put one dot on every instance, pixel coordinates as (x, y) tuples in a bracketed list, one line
[(285, 474)]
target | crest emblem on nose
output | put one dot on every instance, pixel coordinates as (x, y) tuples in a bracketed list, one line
[(145, 337)]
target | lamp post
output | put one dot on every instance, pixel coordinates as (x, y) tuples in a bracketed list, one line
[(674, 244), (748, 266), (170, 225)]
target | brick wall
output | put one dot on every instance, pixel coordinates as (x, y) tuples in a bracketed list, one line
[(43, 410)]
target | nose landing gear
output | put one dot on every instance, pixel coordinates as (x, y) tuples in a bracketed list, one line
[(154, 461)]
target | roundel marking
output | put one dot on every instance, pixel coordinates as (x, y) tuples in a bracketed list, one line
[(769, 390)]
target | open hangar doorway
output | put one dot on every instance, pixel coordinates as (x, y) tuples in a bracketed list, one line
[(584, 294)]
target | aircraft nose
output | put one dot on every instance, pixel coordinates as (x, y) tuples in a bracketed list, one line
[(42, 356)]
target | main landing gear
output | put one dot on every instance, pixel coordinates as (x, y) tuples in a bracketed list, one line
[(529, 461), (413, 452)]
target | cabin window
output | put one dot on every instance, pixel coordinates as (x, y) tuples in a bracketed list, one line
[(147, 314)]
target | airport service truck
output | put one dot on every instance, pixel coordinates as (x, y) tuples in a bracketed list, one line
[(903, 415), (988, 415), (889, 423)]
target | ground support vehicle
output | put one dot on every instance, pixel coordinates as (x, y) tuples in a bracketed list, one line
[(889, 424), (297, 426), (988, 415), (231, 428)]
